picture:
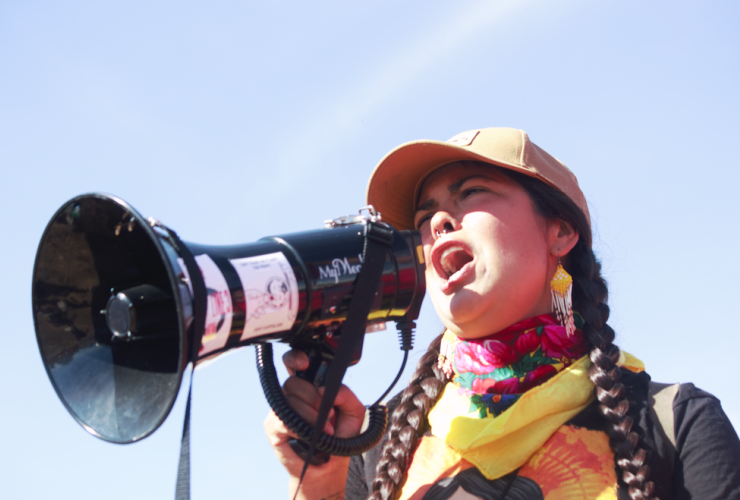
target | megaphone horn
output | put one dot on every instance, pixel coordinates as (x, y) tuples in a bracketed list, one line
[(121, 304)]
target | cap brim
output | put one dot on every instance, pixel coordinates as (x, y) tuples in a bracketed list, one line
[(395, 182)]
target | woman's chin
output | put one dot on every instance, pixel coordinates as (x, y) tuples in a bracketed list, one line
[(465, 314), (468, 313), (472, 319)]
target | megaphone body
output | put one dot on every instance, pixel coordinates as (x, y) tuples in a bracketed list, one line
[(116, 301)]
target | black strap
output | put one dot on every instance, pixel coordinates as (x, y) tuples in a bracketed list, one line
[(182, 488), (660, 402), (200, 308), (200, 294), (378, 238)]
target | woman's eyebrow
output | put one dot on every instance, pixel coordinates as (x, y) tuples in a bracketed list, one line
[(427, 205), (452, 188), (455, 186)]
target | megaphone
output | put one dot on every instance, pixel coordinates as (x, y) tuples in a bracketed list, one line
[(121, 305)]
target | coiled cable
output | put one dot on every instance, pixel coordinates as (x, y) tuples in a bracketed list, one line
[(378, 414)]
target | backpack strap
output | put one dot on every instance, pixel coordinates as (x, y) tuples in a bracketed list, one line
[(661, 398)]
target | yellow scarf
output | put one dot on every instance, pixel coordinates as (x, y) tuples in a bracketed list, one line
[(500, 445)]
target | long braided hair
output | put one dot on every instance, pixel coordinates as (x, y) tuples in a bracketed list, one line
[(409, 420)]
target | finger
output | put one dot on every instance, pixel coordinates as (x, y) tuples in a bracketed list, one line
[(277, 432), (296, 390), (310, 413), (295, 360), (302, 389), (351, 413)]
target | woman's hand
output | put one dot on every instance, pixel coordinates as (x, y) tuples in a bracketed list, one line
[(345, 420)]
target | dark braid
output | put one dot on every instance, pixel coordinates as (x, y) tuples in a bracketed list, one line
[(590, 293), (408, 423)]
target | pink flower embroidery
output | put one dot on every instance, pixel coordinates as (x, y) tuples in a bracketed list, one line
[(548, 319), (556, 343), (538, 376), (502, 354), (509, 386), (483, 359), (527, 342), (523, 325), (483, 385), (514, 385)]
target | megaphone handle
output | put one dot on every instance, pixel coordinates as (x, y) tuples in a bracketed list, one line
[(316, 373), (318, 367)]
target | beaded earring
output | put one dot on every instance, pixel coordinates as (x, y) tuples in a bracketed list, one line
[(561, 287)]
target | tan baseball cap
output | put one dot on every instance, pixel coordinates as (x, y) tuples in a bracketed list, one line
[(395, 183)]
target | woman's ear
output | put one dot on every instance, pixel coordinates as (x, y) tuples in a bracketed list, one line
[(563, 237)]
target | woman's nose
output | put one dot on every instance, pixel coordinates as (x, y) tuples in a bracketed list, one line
[(443, 223)]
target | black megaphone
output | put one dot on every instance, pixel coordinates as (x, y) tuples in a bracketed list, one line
[(121, 305)]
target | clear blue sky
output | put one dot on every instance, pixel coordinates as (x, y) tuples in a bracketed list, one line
[(231, 120)]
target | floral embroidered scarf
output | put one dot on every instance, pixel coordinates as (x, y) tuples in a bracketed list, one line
[(511, 392), (494, 371)]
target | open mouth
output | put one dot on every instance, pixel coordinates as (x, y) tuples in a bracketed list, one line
[(453, 258)]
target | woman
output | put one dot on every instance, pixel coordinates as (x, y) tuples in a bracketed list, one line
[(526, 381)]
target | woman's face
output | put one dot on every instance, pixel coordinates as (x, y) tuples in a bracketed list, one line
[(489, 256)]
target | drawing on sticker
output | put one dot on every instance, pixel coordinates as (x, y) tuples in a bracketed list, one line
[(288, 272), (218, 309), (276, 297), (214, 309), (270, 293)]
